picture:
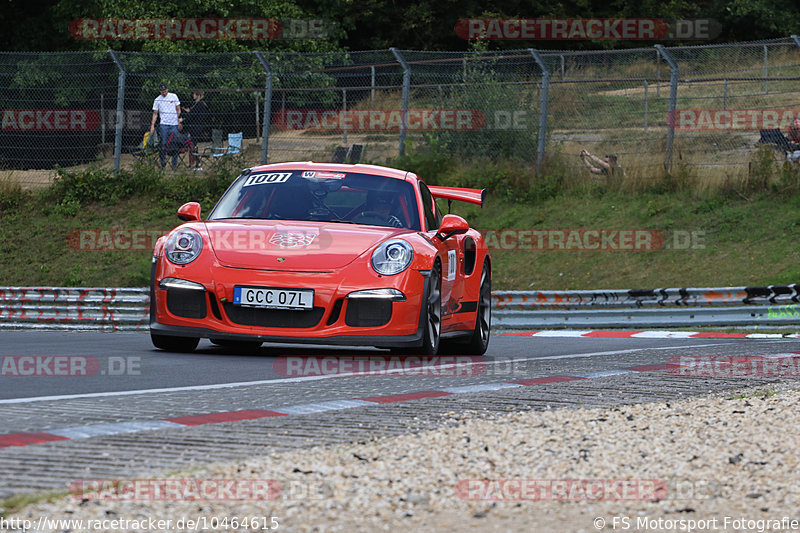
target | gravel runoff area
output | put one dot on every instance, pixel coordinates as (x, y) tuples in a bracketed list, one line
[(715, 463)]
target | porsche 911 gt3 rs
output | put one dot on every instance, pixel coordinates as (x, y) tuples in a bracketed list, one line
[(324, 253)]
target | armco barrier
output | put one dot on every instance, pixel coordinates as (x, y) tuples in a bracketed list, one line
[(677, 307), (769, 295), (74, 308), (120, 309)]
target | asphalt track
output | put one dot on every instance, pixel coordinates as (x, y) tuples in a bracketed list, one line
[(124, 408)]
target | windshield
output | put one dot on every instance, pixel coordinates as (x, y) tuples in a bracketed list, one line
[(325, 196)]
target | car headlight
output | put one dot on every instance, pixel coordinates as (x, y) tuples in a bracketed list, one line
[(184, 246), (392, 257)]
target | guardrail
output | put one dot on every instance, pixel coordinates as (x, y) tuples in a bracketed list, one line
[(121, 309), (74, 308), (677, 307)]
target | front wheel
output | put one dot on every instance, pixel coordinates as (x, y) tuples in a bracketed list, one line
[(433, 313), (174, 344)]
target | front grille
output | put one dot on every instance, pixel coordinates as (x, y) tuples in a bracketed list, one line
[(335, 312), (368, 312), (186, 303), (273, 318)]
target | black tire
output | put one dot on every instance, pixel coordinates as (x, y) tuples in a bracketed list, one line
[(174, 344), (237, 345), (432, 323), (479, 341)]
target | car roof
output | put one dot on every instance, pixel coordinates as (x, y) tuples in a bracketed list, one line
[(340, 167)]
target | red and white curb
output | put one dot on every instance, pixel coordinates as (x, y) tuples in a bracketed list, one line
[(118, 428), (654, 334)]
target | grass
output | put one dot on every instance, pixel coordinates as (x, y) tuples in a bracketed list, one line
[(742, 237), (12, 505), (745, 243), (760, 394)]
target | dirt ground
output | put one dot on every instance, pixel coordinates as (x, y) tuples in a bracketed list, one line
[(283, 146)]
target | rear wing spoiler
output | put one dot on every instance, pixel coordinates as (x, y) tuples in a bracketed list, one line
[(473, 196)]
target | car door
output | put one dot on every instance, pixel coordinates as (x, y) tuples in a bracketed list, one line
[(452, 254)]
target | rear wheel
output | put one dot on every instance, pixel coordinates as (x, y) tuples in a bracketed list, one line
[(479, 341), (174, 344)]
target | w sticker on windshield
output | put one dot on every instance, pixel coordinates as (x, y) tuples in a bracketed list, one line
[(260, 179), (312, 174)]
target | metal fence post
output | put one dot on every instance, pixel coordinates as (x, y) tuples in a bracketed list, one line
[(673, 103), (102, 119), (406, 87), (257, 117), (645, 105), (372, 83), (344, 111), (120, 110), (766, 69), (658, 75), (544, 97), (725, 96), (267, 108)]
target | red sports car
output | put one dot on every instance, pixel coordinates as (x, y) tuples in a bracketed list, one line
[(324, 253)]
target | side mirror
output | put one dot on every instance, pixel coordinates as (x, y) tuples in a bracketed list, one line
[(189, 212), (452, 225)]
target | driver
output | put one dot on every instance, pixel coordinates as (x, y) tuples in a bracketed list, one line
[(382, 204)]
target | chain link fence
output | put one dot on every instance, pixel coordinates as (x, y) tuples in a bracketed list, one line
[(703, 108)]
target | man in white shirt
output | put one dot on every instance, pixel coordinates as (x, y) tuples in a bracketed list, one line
[(167, 107)]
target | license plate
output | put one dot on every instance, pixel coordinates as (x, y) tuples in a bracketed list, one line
[(274, 298)]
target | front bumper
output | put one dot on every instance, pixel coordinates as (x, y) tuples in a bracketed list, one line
[(335, 319)]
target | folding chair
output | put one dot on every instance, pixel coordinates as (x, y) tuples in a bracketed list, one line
[(355, 153), (147, 148), (234, 147), (187, 154), (182, 145), (216, 139), (339, 155), (774, 137)]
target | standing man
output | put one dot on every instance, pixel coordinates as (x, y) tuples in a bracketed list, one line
[(195, 117), (166, 107)]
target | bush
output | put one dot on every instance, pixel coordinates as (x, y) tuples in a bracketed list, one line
[(71, 190), (102, 185), (510, 130), (430, 164), (11, 194), (762, 171)]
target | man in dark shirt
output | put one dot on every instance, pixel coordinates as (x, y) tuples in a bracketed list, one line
[(195, 117)]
